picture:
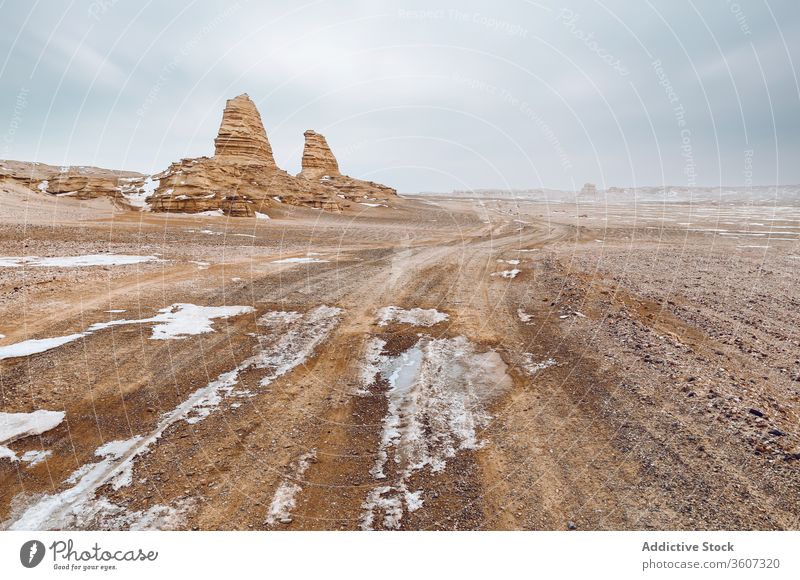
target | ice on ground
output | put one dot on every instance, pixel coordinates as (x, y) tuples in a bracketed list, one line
[(512, 262), (6, 453), (262, 216), (415, 316), (436, 397), (181, 320), (510, 274), (524, 316), (137, 196), (34, 457), (75, 261), (373, 204), (276, 318), (212, 213), (284, 499), (298, 261), (43, 186), (105, 515), (174, 322), (532, 366), (36, 345), (15, 426), (76, 507)]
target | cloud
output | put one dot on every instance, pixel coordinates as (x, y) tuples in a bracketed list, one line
[(433, 96)]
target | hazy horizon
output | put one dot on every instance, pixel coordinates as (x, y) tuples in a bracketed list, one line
[(423, 97)]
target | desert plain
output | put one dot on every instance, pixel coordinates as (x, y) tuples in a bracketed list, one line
[(423, 363)]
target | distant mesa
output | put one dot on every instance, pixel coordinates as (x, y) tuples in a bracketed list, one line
[(589, 189), (240, 179)]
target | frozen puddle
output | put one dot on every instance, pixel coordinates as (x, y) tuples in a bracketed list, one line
[(171, 323), (290, 339), (75, 261), (415, 316), (15, 426), (283, 502), (436, 398)]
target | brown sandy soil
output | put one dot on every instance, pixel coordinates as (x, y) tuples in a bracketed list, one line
[(647, 372)]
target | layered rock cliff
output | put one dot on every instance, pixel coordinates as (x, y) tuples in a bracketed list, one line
[(318, 160), (241, 139)]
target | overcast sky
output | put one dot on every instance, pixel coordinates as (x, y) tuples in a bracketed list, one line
[(421, 95)]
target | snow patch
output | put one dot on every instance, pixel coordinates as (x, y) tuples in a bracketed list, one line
[(171, 323), (415, 316), (15, 426), (75, 261), (436, 394), (138, 196), (77, 506), (533, 367), (510, 274), (524, 316), (36, 345), (262, 216), (43, 186), (298, 261), (34, 457), (284, 499), (6, 453)]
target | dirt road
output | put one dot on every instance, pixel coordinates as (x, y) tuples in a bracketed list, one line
[(448, 365)]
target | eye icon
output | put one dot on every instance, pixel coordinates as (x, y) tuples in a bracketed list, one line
[(31, 553)]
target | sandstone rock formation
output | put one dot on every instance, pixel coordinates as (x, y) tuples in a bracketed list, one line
[(242, 139), (320, 165), (318, 160), (75, 181), (242, 177)]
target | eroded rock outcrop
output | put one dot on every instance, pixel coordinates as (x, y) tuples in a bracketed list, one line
[(242, 177), (241, 139), (81, 182), (320, 165), (318, 160)]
